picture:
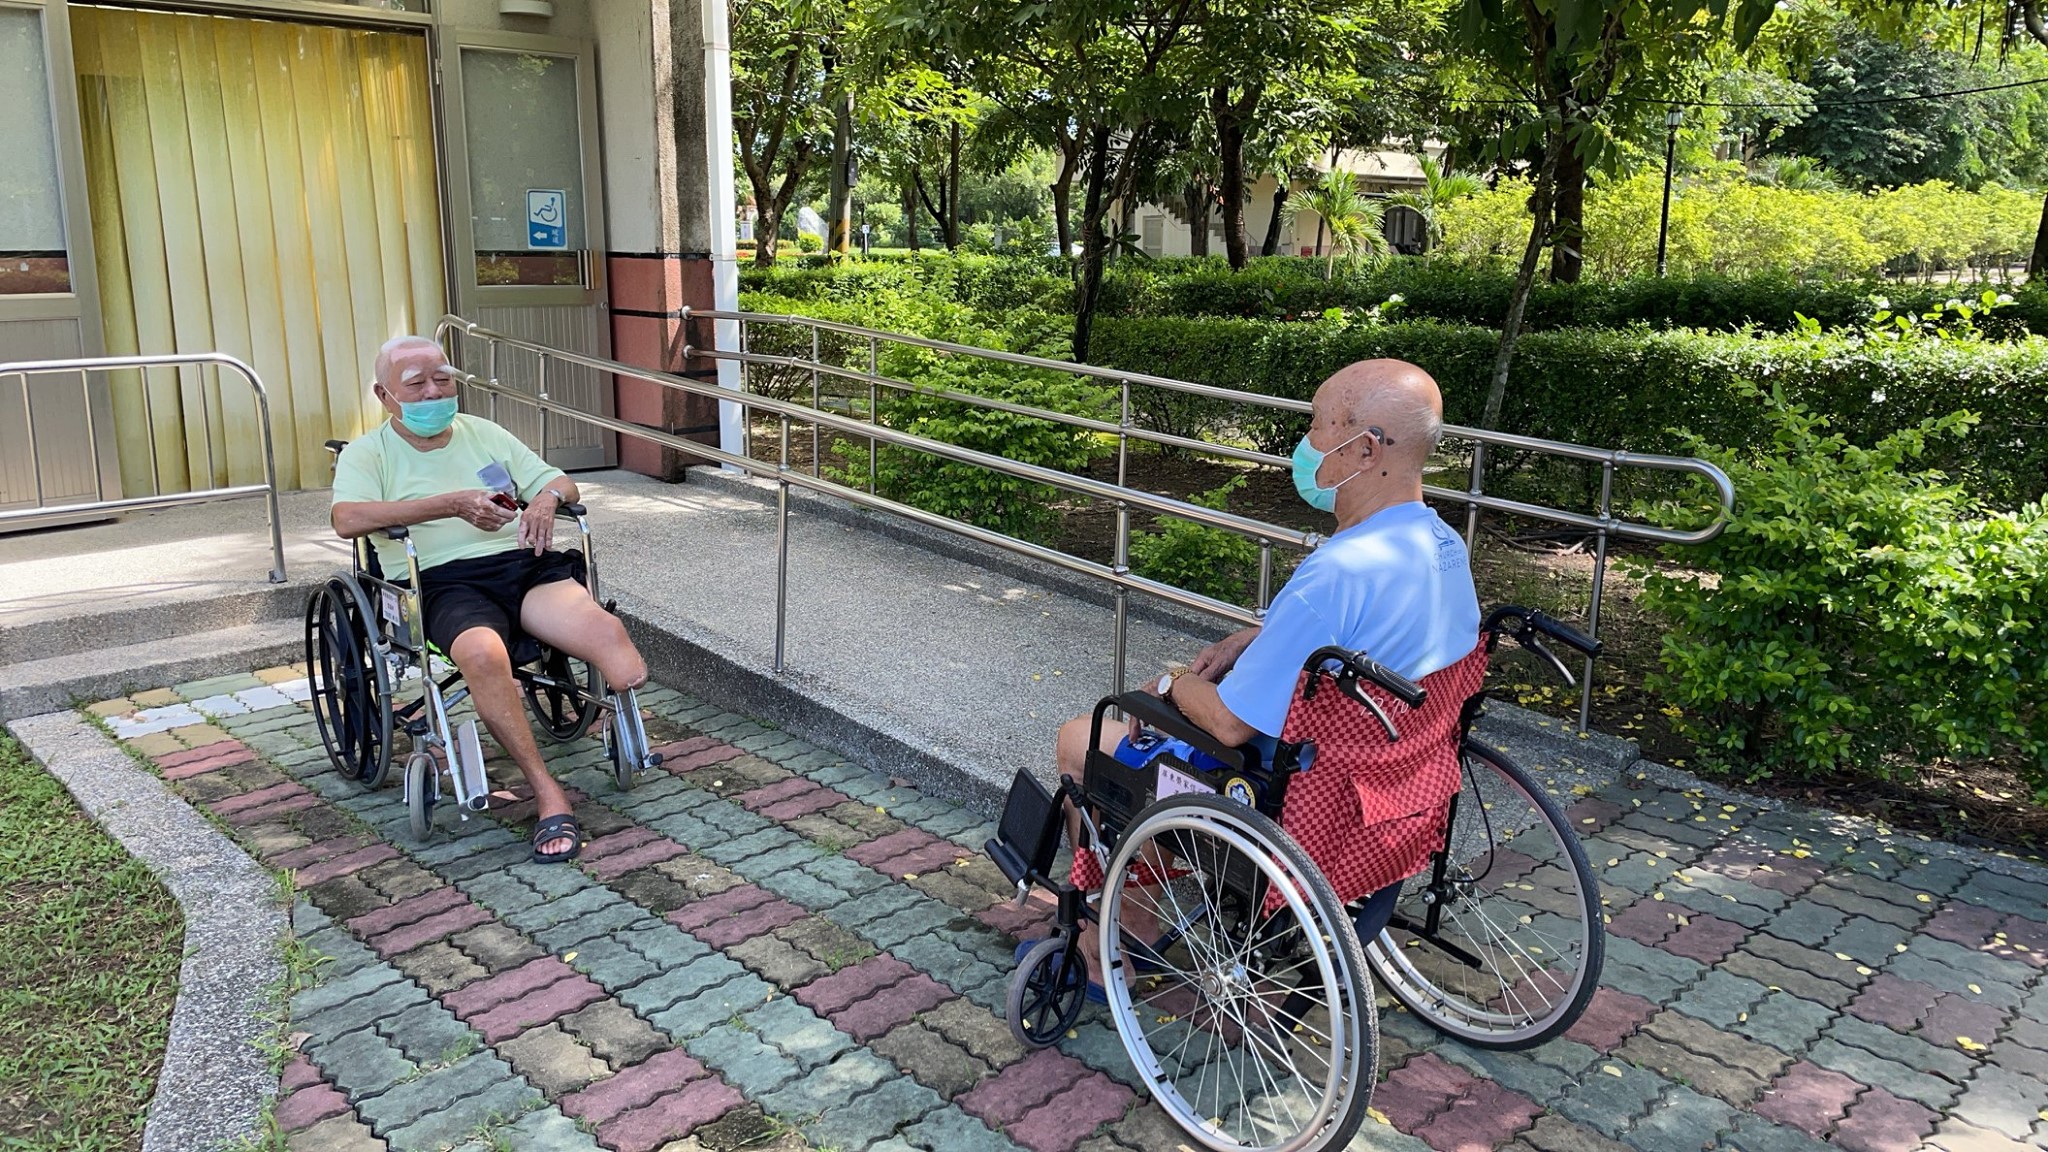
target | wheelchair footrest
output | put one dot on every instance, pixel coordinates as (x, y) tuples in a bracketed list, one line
[(1029, 835)]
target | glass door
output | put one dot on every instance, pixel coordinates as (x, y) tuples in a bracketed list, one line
[(528, 224)]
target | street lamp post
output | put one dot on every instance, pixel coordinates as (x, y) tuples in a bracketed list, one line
[(1672, 119)]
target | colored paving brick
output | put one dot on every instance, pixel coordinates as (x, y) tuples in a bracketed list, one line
[(763, 946)]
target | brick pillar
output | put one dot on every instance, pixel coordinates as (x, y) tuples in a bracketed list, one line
[(684, 214), (649, 292)]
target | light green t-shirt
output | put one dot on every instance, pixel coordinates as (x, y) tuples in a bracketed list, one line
[(380, 465)]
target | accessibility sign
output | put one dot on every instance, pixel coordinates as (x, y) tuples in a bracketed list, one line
[(547, 219)]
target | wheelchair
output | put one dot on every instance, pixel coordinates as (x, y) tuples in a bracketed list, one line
[(366, 645), (1250, 1016)]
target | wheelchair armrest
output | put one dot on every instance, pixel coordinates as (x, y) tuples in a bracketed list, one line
[(335, 446), (570, 511), (1161, 714), (396, 532)]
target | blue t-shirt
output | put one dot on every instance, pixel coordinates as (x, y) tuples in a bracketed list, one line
[(1398, 586)]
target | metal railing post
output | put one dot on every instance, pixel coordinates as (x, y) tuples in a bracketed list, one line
[(782, 548), (35, 453), (817, 399), (874, 417), (491, 373), (540, 389), (1265, 576), (746, 389), (1475, 492), (1599, 584), (1121, 562), (92, 437), (269, 476)]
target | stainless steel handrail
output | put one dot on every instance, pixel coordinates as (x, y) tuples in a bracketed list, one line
[(84, 367), (1118, 574)]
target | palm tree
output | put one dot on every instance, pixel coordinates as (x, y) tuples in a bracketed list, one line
[(1355, 220), (1439, 187)]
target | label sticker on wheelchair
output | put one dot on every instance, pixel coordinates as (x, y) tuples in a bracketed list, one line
[(1173, 782), (1240, 789), (390, 604)]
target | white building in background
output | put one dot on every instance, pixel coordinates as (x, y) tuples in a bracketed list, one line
[(1165, 230)]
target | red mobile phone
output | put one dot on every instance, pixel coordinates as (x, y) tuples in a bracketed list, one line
[(504, 501)]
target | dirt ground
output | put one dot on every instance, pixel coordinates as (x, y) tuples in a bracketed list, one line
[(1976, 802)]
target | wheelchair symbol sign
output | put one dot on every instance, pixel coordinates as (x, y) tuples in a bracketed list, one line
[(547, 224)]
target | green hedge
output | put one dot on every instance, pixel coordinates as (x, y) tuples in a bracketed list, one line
[(1437, 289), (1622, 388)]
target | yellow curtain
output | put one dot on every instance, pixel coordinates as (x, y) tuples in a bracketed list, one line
[(264, 189)]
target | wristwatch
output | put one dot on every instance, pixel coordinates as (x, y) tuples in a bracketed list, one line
[(1165, 684)]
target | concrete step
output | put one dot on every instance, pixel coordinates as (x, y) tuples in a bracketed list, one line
[(140, 618), (32, 687)]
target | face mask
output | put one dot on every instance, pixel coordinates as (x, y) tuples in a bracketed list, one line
[(428, 417), (1308, 460)]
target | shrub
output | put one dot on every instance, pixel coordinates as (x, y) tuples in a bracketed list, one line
[(1622, 388), (1196, 557), (1861, 611)]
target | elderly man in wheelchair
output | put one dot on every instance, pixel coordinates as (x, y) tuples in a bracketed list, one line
[(1263, 817), (452, 519)]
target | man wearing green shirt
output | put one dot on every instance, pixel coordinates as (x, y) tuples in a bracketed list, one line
[(485, 568)]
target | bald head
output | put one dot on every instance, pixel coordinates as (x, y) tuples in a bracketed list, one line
[(1394, 396), (399, 352)]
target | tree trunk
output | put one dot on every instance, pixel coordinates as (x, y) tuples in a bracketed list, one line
[(910, 209), (1230, 117), (953, 188), (1568, 234), (767, 222), (839, 218), (1525, 280), (2037, 264), (1063, 196), (1092, 209), (1272, 245), (1197, 198)]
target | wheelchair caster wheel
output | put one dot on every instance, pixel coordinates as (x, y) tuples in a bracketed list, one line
[(1047, 994), (420, 788), (623, 768)]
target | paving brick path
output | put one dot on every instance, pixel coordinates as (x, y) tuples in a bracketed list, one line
[(766, 947)]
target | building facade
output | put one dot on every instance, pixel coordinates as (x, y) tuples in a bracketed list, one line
[(295, 182)]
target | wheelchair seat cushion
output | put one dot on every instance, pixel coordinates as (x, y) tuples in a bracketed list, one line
[(1367, 811), (486, 592)]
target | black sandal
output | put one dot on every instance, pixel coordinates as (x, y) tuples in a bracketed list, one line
[(555, 828)]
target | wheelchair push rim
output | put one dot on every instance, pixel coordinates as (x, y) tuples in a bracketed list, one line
[(1253, 1030), (565, 695), (1519, 944), (349, 681)]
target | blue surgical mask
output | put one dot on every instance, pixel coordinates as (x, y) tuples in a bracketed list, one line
[(427, 417), (1308, 460)]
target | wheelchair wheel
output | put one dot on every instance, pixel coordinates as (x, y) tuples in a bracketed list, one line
[(563, 714), (1516, 945), (421, 785), (1253, 1029), (1047, 993), (617, 747), (350, 682)]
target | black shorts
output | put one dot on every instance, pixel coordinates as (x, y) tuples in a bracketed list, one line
[(486, 591)]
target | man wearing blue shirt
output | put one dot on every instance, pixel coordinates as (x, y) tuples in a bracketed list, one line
[(1394, 580)]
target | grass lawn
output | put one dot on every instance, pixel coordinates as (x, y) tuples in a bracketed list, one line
[(89, 951)]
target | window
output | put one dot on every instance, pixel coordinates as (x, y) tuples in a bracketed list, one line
[(32, 250), (525, 167)]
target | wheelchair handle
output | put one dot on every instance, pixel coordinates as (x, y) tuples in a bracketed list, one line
[(1363, 667), (1531, 623)]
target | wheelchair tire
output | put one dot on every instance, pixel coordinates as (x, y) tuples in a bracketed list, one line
[(421, 784), (563, 715), (1517, 898), (350, 682), (624, 769), (1047, 993), (1252, 1030)]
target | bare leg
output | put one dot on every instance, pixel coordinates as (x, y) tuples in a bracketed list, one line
[(487, 670), (562, 615)]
